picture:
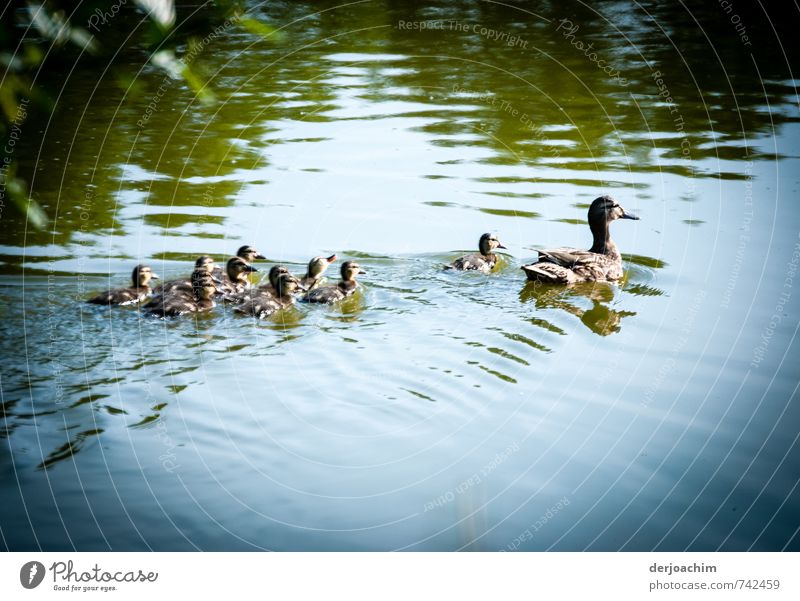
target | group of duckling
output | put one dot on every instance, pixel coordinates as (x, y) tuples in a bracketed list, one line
[(208, 281)]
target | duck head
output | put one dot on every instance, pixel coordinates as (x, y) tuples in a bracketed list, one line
[(286, 284), (204, 263), (142, 275), (249, 254), (318, 265), (237, 269), (605, 209), (602, 212), (350, 269), (488, 243), (274, 273)]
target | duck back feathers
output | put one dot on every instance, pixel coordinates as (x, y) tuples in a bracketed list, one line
[(138, 292), (601, 263)]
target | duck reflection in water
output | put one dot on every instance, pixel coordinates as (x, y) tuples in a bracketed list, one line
[(600, 318)]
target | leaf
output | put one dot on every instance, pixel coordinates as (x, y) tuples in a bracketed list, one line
[(161, 11), (15, 190), (259, 28)]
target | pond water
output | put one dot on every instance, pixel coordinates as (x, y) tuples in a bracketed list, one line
[(434, 410)]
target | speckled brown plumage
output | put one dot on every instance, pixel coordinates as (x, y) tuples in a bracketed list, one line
[(332, 294), (483, 261), (203, 263), (178, 302), (263, 304), (602, 262), (246, 252), (138, 292)]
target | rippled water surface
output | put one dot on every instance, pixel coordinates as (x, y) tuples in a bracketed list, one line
[(433, 410)]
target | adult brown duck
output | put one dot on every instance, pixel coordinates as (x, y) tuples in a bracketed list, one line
[(601, 263)]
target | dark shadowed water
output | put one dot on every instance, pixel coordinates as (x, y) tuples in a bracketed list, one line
[(434, 410)]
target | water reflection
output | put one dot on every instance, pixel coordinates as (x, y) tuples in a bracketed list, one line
[(601, 314), (600, 318), (69, 448), (350, 133)]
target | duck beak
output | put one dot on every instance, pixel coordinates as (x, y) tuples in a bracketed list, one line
[(626, 215), (331, 259), (155, 276), (501, 246), (362, 272), (260, 256)]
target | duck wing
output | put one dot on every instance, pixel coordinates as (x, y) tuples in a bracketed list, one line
[(310, 283), (566, 257), (181, 283), (583, 265), (326, 294), (259, 306), (471, 262), (171, 306), (230, 290), (549, 273), (120, 296)]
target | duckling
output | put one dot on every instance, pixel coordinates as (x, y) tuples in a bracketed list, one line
[(602, 262), (246, 252), (274, 272), (178, 303), (203, 263), (316, 268), (265, 304), (483, 262), (235, 281), (141, 276), (348, 285)]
